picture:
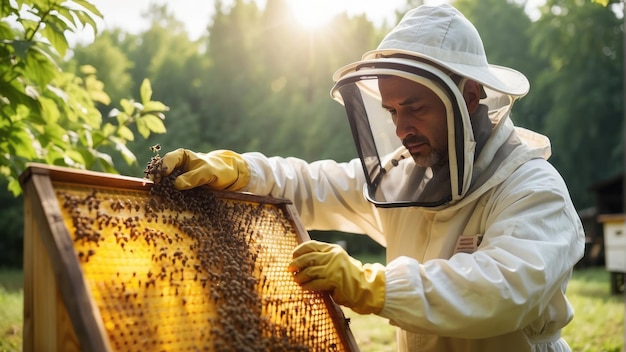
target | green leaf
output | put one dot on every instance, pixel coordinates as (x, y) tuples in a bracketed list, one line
[(15, 93), (122, 118), (84, 136), (93, 117), (21, 47), (127, 106), (90, 7), (87, 19), (142, 128), (5, 30), (23, 113), (5, 170), (108, 129), (21, 144), (7, 10), (75, 156), (96, 91), (54, 32), (14, 186), (100, 97), (86, 155), (54, 154), (98, 139), (55, 134), (40, 68), (93, 84), (155, 106), (601, 2), (154, 124), (88, 70), (30, 26), (145, 91), (65, 13), (58, 92), (126, 133), (49, 110)]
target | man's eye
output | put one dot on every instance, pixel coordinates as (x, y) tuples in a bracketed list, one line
[(417, 109)]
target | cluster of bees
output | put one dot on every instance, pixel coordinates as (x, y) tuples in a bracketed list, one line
[(186, 270)]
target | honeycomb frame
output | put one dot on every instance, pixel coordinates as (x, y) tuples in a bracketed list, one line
[(74, 282)]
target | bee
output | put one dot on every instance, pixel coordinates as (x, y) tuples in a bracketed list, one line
[(155, 148)]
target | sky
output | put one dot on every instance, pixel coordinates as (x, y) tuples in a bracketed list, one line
[(127, 14), (196, 14)]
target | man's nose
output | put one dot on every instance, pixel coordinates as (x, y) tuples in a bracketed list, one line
[(403, 126)]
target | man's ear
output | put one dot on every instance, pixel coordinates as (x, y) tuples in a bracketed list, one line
[(471, 94)]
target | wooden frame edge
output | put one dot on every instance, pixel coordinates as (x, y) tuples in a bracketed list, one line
[(68, 275), (334, 310)]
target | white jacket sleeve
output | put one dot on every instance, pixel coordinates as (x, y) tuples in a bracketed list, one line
[(514, 280), (328, 195)]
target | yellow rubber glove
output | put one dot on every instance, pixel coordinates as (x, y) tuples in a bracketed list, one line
[(219, 169), (320, 266)]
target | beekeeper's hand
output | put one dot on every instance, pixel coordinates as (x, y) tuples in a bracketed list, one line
[(219, 169), (320, 266)]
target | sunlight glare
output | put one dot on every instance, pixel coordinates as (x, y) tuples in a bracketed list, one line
[(313, 14)]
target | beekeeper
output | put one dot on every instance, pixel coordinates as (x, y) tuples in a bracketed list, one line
[(480, 233)]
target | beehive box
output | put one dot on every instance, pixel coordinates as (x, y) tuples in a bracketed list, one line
[(614, 226), (111, 265)]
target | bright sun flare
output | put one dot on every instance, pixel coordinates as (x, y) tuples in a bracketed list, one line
[(313, 13)]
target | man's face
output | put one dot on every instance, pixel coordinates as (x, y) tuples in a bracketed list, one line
[(420, 119)]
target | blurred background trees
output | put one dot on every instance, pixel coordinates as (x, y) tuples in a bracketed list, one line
[(257, 81), (54, 116)]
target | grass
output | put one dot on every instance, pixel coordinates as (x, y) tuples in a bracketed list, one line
[(11, 310), (598, 325)]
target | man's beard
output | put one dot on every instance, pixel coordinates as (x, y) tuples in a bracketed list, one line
[(433, 158)]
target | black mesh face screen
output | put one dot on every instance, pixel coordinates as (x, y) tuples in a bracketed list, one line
[(362, 133), (393, 179)]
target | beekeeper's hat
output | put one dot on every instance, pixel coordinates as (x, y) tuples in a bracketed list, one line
[(442, 35)]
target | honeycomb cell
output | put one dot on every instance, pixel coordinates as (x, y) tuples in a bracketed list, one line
[(188, 270)]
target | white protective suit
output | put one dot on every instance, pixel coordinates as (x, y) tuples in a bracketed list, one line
[(484, 272)]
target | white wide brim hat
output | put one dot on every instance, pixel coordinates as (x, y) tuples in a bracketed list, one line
[(442, 35)]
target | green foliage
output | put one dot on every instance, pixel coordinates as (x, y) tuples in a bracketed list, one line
[(113, 64), (292, 69), (581, 90), (51, 116), (501, 23), (573, 57)]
